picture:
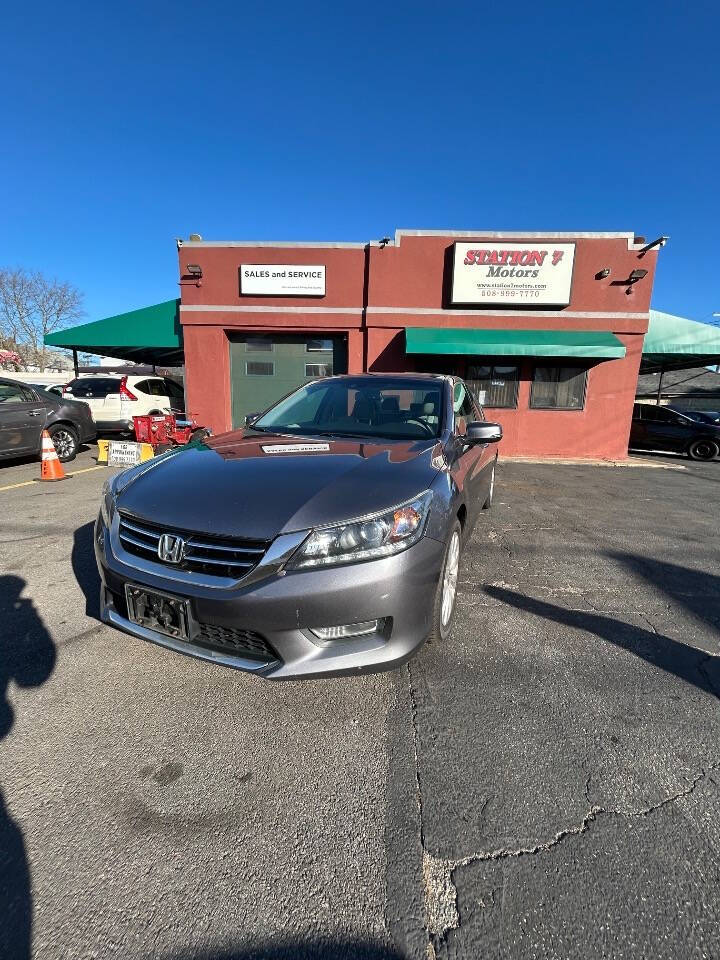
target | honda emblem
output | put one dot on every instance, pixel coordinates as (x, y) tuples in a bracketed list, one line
[(171, 549)]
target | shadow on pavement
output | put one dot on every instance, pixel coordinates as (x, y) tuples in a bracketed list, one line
[(289, 950), (85, 569), (695, 666), (696, 590), (27, 657)]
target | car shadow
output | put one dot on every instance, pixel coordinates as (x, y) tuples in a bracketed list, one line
[(82, 559), (696, 667), (326, 949), (27, 658)]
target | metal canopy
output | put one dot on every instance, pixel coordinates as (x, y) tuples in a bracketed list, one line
[(676, 343), (506, 343), (149, 335)]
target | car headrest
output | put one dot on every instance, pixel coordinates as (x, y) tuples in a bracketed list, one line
[(362, 410), (429, 408), (390, 405)]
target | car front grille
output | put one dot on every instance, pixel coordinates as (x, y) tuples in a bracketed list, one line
[(226, 557), (234, 640)]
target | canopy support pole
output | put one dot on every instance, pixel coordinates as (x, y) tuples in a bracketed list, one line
[(659, 389), (75, 363)]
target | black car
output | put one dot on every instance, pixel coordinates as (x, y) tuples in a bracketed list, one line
[(25, 411), (324, 538), (662, 428)]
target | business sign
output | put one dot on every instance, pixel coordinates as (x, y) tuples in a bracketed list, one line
[(124, 453), (513, 274), (282, 279)]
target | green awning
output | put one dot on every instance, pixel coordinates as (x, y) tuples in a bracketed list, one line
[(149, 335), (511, 343), (676, 343)]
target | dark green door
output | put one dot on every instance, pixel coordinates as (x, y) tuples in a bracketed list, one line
[(263, 368)]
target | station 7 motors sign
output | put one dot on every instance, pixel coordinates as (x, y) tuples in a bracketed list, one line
[(512, 274)]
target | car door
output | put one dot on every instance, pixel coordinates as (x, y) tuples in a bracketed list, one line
[(665, 429), (22, 418), (638, 435), (473, 461), (156, 393)]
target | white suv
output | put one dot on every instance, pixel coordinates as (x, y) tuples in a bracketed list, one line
[(114, 399)]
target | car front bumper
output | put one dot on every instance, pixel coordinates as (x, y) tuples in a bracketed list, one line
[(282, 607)]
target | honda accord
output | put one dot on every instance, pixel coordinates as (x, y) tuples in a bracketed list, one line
[(323, 538)]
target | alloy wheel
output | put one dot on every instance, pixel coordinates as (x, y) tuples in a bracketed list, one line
[(64, 443), (450, 577)]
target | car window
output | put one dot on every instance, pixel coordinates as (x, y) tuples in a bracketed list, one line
[(93, 387), (462, 406), (15, 393), (637, 411), (156, 387), (174, 389)]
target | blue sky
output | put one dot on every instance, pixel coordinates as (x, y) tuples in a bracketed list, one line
[(125, 126)]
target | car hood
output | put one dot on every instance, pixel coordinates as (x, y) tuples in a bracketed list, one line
[(246, 484)]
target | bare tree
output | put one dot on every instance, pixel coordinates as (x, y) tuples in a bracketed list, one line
[(31, 306)]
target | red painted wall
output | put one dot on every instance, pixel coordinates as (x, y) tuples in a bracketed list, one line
[(371, 295)]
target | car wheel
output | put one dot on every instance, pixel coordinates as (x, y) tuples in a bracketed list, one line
[(65, 440), (446, 593), (491, 489), (703, 450)]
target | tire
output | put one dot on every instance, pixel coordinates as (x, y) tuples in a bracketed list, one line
[(442, 619), (66, 441), (489, 500), (703, 450)]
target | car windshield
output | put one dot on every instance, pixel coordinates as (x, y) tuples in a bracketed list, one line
[(704, 416), (389, 408)]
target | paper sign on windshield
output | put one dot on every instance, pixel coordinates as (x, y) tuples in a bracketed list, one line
[(296, 448)]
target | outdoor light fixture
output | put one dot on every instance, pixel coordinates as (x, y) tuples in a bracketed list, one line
[(195, 270), (635, 275), (660, 242), (602, 274), (384, 242)]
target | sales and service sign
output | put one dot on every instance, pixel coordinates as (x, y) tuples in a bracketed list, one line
[(282, 279), (508, 274)]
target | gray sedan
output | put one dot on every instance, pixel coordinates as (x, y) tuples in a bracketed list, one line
[(26, 410), (323, 538)]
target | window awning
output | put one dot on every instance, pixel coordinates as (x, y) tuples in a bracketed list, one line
[(149, 335), (509, 343), (676, 343)]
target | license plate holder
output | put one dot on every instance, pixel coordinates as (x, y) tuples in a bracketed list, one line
[(158, 611)]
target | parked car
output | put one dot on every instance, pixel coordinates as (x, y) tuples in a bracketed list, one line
[(114, 399), (26, 411), (662, 428), (325, 538)]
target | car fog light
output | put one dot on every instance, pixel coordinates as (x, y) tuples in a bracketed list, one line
[(347, 630)]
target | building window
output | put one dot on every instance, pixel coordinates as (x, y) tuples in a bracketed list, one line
[(318, 369), (318, 346), (259, 345), (259, 368), (495, 386), (558, 388)]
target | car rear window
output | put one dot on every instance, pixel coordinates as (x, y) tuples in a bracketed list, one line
[(94, 387)]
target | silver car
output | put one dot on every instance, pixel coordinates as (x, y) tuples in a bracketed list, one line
[(324, 538)]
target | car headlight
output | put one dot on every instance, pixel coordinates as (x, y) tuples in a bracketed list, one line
[(378, 535), (107, 501)]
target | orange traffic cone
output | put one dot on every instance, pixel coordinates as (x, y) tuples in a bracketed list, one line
[(51, 468)]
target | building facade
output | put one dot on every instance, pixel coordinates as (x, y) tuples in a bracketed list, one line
[(547, 328)]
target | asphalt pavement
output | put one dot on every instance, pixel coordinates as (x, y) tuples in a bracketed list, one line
[(543, 785)]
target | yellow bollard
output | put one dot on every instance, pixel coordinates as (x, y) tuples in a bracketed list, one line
[(103, 451), (146, 452)]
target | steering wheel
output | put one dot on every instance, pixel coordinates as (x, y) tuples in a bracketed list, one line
[(421, 423)]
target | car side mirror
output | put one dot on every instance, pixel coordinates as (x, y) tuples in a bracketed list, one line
[(250, 418), (481, 431)]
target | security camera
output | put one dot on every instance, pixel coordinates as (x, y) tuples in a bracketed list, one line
[(660, 242)]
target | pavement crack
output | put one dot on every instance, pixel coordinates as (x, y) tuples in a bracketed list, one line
[(441, 904)]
